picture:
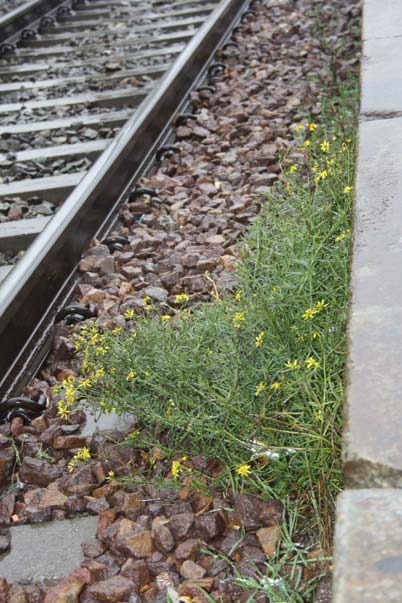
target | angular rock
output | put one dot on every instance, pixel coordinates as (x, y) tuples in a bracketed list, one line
[(137, 571), (38, 472), (187, 549), (112, 590), (210, 525), (253, 513), (192, 571), (68, 590), (7, 502), (162, 536), (79, 483), (269, 538), (5, 540), (180, 524)]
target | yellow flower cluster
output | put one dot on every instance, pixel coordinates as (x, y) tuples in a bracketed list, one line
[(259, 340), (82, 455), (238, 319), (316, 309), (181, 298)]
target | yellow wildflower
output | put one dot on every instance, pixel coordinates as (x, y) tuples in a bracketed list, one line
[(312, 127), (238, 295), (131, 375), (293, 168), (320, 305), (244, 470), (259, 340), (323, 174), (306, 143), (181, 298), (312, 363), (63, 410), (237, 319), (292, 364), (342, 235), (116, 331), (309, 313), (166, 317), (315, 334), (129, 313), (111, 475), (83, 454), (259, 388), (177, 468), (347, 189), (72, 465), (325, 146), (299, 127), (276, 385)]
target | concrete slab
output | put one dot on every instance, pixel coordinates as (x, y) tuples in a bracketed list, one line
[(46, 552), (98, 422), (368, 547), (382, 19), (381, 84), (373, 443)]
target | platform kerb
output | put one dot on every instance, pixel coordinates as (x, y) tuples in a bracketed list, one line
[(368, 547), (373, 443), (381, 85)]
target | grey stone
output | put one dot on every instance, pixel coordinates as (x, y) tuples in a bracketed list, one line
[(368, 547), (373, 444), (46, 551)]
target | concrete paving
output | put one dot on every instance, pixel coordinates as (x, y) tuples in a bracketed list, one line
[(373, 443), (46, 552), (368, 547)]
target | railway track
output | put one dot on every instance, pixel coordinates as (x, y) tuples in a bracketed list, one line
[(55, 86), (61, 105)]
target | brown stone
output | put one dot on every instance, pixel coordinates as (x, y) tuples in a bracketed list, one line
[(190, 588), (253, 513), (187, 549), (80, 482), (4, 586), (92, 548), (16, 594), (192, 571), (162, 536), (69, 441), (52, 497), (5, 539), (180, 524), (7, 502), (112, 590), (38, 471), (138, 546), (210, 525), (105, 519), (7, 460), (137, 571), (68, 590), (269, 538)]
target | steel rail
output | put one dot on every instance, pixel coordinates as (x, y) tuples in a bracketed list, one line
[(24, 15), (43, 278)]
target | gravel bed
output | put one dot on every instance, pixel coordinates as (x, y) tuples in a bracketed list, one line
[(151, 537)]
